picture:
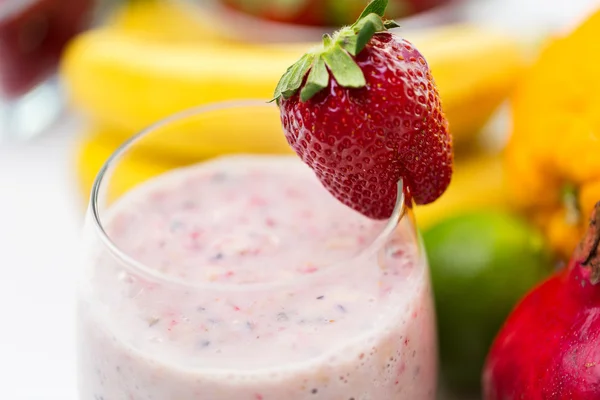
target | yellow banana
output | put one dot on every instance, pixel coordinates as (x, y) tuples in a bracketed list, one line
[(478, 181), (128, 81), (167, 21), (97, 145)]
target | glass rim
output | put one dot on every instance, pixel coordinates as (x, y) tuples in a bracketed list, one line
[(152, 273)]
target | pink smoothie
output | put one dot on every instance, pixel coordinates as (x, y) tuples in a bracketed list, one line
[(247, 280)]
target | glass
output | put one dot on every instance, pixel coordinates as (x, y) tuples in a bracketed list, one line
[(33, 34), (241, 277)]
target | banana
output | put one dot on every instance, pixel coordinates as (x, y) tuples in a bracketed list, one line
[(478, 180), (167, 21), (96, 145), (127, 80)]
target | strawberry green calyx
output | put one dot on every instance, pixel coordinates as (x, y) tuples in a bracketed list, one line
[(335, 56)]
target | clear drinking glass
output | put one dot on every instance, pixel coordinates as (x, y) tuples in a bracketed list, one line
[(241, 277)]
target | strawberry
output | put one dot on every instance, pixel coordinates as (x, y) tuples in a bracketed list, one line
[(301, 12), (341, 12), (323, 12), (417, 6), (363, 112)]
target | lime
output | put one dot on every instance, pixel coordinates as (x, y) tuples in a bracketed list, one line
[(481, 263)]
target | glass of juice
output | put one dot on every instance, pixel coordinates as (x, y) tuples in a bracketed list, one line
[(236, 275), (33, 34)]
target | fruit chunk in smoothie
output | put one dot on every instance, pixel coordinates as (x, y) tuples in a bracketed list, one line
[(256, 284)]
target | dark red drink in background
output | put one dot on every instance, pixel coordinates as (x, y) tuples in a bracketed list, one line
[(33, 34)]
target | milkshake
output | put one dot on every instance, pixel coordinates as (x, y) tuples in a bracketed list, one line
[(243, 278)]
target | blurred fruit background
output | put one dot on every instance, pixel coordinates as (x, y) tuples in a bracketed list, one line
[(482, 262), (154, 58), (517, 79), (324, 12)]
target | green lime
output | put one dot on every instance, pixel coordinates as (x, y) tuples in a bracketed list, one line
[(481, 264)]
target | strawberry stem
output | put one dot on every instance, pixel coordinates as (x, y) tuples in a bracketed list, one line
[(336, 53)]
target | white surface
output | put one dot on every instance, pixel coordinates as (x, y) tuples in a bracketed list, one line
[(39, 225), (40, 216), (529, 18)]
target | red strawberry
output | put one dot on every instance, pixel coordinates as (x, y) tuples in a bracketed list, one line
[(342, 12), (363, 112), (323, 12), (302, 12)]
